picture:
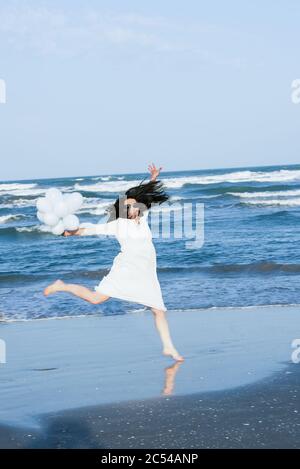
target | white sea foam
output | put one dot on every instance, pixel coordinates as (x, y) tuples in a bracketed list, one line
[(108, 186), (102, 178), (254, 195), (24, 192), (95, 206), (107, 178), (19, 318), (235, 177), (273, 202), (30, 229), (26, 229), (215, 196), (178, 182), (10, 217), (21, 190), (19, 203), (15, 186)]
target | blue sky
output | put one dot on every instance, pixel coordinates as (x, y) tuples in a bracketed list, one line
[(95, 87)]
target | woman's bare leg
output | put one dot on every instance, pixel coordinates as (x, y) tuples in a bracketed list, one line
[(77, 290), (163, 330)]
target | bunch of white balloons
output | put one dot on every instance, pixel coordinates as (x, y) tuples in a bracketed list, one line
[(56, 210)]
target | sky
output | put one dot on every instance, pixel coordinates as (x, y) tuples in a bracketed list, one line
[(101, 87)]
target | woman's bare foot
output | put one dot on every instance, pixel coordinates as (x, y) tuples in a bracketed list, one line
[(173, 353), (53, 287)]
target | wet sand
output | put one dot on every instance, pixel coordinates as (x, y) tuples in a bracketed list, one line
[(101, 382), (263, 415)]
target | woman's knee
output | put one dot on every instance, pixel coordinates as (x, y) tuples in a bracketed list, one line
[(97, 298), (158, 312)]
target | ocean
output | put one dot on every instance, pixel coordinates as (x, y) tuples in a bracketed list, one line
[(250, 255)]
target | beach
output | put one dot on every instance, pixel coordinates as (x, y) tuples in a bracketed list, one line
[(149, 205), (102, 382)]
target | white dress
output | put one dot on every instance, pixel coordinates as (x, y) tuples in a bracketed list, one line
[(133, 275)]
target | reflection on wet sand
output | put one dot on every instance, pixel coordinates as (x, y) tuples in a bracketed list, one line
[(170, 373)]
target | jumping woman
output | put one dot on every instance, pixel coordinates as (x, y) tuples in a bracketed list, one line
[(133, 275)]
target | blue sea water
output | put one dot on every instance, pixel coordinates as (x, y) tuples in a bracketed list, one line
[(250, 255)]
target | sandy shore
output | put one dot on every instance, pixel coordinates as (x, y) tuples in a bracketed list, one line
[(102, 381), (264, 415)]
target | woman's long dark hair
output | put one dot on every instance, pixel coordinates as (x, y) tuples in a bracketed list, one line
[(146, 194)]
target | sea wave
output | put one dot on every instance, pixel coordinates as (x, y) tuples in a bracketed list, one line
[(17, 277), (31, 190), (19, 203), (17, 318), (254, 195), (16, 186), (257, 267), (263, 267), (30, 229), (107, 178), (95, 206), (9, 217), (273, 202), (24, 192), (13, 319), (119, 184), (110, 186), (21, 190), (101, 178), (282, 175)]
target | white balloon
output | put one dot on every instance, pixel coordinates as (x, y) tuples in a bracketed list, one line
[(78, 198), (56, 210), (75, 201), (69, 203), (40, 216), (54, 195), (61, 209), (50, 219), (59, 228), (71, 222), (43, 205)]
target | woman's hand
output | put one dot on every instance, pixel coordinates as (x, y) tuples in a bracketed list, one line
[(77, 232), (154, 171)]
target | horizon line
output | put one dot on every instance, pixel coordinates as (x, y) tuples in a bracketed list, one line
[(143, 172)]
